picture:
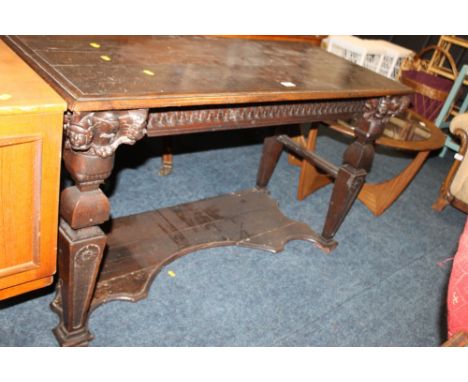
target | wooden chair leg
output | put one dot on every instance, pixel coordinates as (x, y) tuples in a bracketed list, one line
[(459, 339), (445, 197), (440, 204), (271, 153)]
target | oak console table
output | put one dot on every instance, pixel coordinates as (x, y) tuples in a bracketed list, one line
[(119, 89)]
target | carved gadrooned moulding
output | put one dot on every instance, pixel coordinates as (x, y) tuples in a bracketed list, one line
[(99, 134), (169, 122)]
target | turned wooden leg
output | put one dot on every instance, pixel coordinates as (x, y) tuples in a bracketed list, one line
[(445, 196), (357, 161), (167, 157), (91, 140), (440, 204), (272, 149)]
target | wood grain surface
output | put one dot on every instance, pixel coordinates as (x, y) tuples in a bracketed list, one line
[(140, 245), (122, 72), (22, 91)]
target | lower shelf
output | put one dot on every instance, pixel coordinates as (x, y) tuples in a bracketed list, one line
[(140, 245)]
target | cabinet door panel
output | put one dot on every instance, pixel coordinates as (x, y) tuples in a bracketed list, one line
[(20, 193), (30, 151)]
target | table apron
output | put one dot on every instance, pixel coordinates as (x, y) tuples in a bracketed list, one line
[(173, 122)]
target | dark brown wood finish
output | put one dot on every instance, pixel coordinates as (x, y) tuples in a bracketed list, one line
[(358, 158), (140, 245), (90, 143), (420, 137), (120, 88), (329, 168), (172, 122), (148, 72)]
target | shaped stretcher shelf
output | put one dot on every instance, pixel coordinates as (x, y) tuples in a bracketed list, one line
[(140, 245)]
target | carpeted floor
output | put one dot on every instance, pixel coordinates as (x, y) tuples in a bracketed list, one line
[(384, 285)]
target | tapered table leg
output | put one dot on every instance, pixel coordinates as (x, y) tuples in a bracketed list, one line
[(91, 140), (272, 149), (80, 255)]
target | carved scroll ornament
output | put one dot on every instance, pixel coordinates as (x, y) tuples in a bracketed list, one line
[(101, 133)]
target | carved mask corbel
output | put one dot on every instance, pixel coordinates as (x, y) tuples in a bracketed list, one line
[(101, 133), (377, 113)]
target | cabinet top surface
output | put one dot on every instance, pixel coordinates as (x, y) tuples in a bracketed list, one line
[(21, 89), (120, 72)]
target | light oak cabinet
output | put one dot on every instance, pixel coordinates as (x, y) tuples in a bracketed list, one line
[(31, 123)]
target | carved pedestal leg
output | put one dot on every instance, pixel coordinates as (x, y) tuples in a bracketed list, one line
[(91, 140), (357, 161)]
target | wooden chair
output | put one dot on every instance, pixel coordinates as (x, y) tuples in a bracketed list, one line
[(452, 108), (438, 65), (454, 189)]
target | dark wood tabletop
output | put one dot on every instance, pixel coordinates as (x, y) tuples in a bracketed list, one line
[(122, 72)]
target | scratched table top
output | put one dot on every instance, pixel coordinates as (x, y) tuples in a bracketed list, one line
[(123, 72)]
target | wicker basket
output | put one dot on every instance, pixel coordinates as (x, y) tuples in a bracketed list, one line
[(431, 90)]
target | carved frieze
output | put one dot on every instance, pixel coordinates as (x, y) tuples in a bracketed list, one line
[(174, 121)]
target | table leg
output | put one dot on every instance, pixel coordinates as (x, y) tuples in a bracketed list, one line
[(357, 160), (91, 140), (167, 157), (80, 254), (272, 149)]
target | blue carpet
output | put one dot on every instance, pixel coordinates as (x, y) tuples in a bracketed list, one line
[(384, 285)]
